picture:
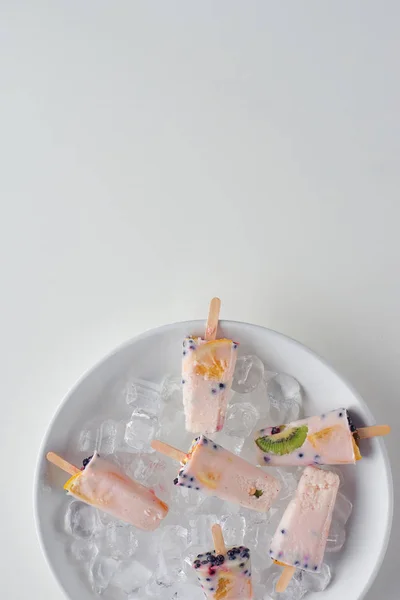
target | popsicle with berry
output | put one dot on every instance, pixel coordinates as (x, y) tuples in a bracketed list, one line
[(300, 539), (211, 469), (328, 439), (102, 485), (224, 573), (207, 371)]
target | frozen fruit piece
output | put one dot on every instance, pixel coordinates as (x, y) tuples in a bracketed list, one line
[(317, 440), (285, 441), (301, 535), (216, 471), (104, 486), (225, 576), (207, 371)]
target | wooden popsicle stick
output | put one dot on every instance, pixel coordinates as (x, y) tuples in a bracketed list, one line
[(212, 321), (373, 431), (61, 463), (168, 450), (285, 578), (219, 543)]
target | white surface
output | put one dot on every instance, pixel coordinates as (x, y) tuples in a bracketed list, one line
[(323, 391), (157, 153)]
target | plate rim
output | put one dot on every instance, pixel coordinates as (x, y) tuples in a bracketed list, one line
[(194, 323)]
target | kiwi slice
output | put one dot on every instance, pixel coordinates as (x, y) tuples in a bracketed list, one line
[(284, 442)]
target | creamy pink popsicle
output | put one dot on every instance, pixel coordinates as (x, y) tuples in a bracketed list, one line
[(225, 576), (103, 485), (210, 468), (207, 372), (300, 538), (323, 440)]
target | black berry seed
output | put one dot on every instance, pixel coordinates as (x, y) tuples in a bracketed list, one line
[(86, 461), (219, 560), (221, 386), (175, 480)]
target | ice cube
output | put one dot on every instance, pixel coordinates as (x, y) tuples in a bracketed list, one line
[(231, 442), (131, 576), (117, 540), (101, 572), (285, 398), (171, 391), (200, 530), (157, 589), (80, 520), (89, 438), (258, 398), (259, 592), (172, 426), (173, 544), (343, 508), (186, 500), (316, 582), (336, 536), (289, 480), (210, 505), (248, 374), (143, 396), (233, 527), (240, 420), (83, 550), (111, 434), (140, 431), (145, 467)]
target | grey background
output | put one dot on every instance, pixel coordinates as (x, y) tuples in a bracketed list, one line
[(154, 154)]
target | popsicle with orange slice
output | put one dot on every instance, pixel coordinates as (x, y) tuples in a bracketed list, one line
[(328, 439), (207, 371), (102, 485), (224, 573), (215, 471)]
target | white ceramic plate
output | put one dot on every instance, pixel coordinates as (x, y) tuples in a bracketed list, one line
[(158, 352)]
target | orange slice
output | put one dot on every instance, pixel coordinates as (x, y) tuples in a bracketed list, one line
[(225, 582), (357, 453), (323, 436), (212, 358), (210, 479)]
